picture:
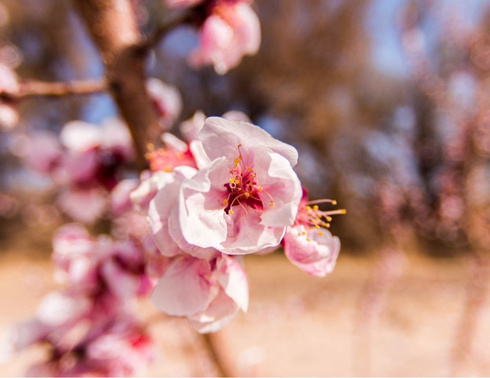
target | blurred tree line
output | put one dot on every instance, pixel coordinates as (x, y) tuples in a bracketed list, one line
[(406, 155)]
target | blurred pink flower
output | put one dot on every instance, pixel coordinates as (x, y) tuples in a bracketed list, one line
[(167, 101), (88, 264), (231, 31), (209, 293), (245, 198), (86, 163), (84, 205)]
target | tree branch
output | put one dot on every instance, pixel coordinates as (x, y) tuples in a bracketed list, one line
[(55, 89), (113, 27), (210, 344)]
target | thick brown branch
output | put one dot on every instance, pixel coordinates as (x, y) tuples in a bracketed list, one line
[(113, 28), (56, 89)]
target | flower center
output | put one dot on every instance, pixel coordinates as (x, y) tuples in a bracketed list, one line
[(243, 188)]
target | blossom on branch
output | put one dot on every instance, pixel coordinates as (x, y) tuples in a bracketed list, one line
[(166, 100), (230, 30), (86, 164)]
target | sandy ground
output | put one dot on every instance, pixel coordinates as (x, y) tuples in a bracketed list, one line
[(298, 325)]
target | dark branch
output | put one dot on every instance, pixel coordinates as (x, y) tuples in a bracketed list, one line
[(114, 29), (55, 89)]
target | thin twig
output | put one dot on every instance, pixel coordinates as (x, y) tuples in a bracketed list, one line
[(210, 344), (476, 293), (55, 89)]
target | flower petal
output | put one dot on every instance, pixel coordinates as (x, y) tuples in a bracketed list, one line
[(186, 288)]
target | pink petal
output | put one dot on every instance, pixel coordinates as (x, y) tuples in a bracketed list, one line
[(233, 280), (58, 309), (186, 287), (80, 136), (218, 314), (313, 251), (221, 137), (83, 205), (281, 184), (201, 214), (120, 196), (247, 235)]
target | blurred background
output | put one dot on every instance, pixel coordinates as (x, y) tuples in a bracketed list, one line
[(387, 102)]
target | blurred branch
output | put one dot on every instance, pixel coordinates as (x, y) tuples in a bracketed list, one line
[(55, 89), (210, 344), (113, 27)]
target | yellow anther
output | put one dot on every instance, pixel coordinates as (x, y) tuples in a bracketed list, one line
[(225, 202), (271, 204), (237, 161), (329, 219), (317, 226), (315, 208), (321, 234), (260, 189), (308, 208), (231, 212), (247, 194), (308, 239), (334, 202)]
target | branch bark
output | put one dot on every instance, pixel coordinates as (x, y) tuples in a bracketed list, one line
[(113, 27), (55, 89)]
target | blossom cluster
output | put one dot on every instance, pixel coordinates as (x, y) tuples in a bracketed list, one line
[(229, 191), (87, 161), (90, 325)]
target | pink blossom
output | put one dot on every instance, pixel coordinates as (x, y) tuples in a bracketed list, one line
[(120, 348), (231, 31), (83, 204), (85, 264), (42, 151), (244, 200), (125, 350), (167, 101), (308, 244), (191, 127), (120, 196), (89, 162), (208, 292), (163, 214), (313, 251)]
